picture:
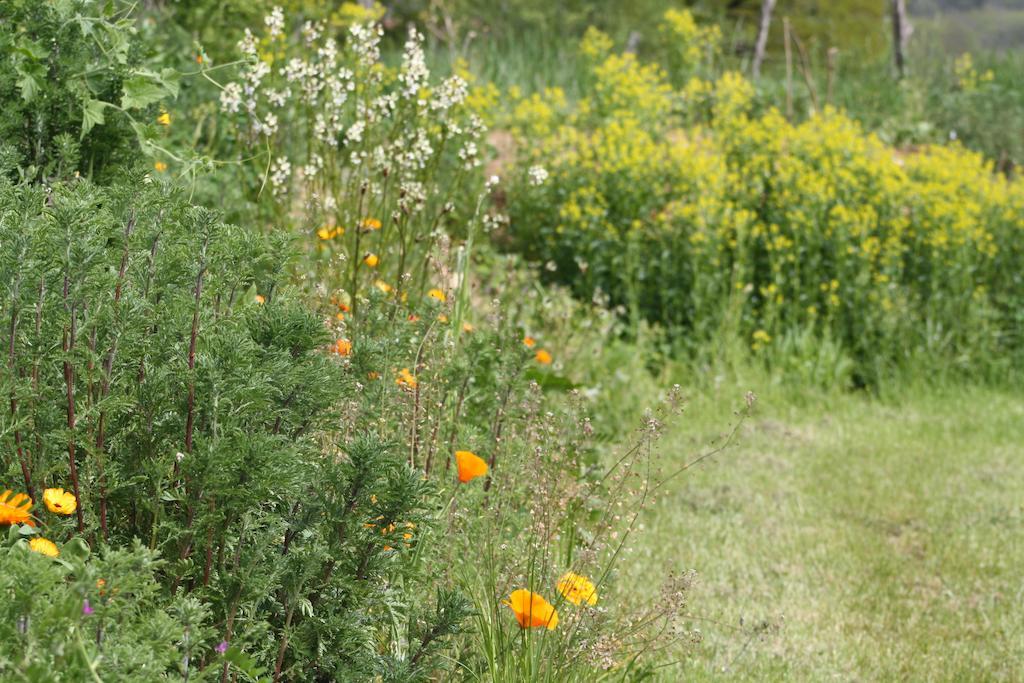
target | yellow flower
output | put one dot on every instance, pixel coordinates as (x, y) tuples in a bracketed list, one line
[(371, 260), (531, 610), (543, 357), (60, 501), (406, 379), (15, 510), (470, 466), (577, 588), (44, 546), (467, 327), (325, 233), (382, 286), (260, 299), (370, 224), (164, 119), (529, 342), (160, 166), (437, 294)]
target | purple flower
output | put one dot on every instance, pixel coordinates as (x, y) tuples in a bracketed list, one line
[(223, 647), (87, 608)]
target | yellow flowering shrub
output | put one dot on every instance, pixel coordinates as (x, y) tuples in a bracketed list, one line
[(687, 45), (765, 228)]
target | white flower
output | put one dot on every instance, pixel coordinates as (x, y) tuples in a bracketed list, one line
[(414, 73), (280, 171), (366, 43), (355, 132), (468, 154), (296, 70), (247, 45), (452, 92), (277, 98), (492, 182), (275, 22), (231, 98), (311, 32), (269, 124), (256, 73), (538, 174)]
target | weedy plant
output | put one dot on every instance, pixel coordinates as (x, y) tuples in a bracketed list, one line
[(373, 163), (78, 96)]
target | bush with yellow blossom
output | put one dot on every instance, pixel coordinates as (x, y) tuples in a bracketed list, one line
[(753, 223)]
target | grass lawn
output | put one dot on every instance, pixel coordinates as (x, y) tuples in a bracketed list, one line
[(880, 540)]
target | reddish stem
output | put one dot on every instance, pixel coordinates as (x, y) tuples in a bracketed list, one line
[(69, 383)]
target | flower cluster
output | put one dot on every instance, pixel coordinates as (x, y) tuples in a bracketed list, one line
[(343, 140), (16, 508)]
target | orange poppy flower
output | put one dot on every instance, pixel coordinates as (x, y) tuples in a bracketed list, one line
[(413, 318), (343, 347), (467, 327), (543, 357), (531, 610), (577, 588), (260, 299), (15, 510), (60, 501), (406, 379), (470, 466), (371, 224), (529, 342)]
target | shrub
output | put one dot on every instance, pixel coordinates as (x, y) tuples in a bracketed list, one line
[(759, 228), (159, 372)]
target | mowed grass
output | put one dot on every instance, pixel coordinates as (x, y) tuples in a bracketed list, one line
[(848, 538)]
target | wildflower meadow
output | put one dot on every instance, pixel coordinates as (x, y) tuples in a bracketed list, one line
[(443, 341)]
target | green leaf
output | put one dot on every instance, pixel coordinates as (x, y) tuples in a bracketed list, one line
[(30, 81), (146, 87), (92, 115), (244, 663), (141, 91), (76, 549), (32, 49), (171, 81)]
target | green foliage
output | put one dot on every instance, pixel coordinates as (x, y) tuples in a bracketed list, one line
[(85, 614), (71, 77), (189, 418)]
